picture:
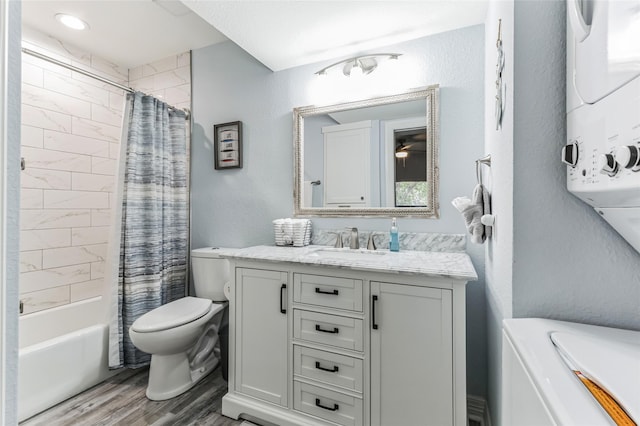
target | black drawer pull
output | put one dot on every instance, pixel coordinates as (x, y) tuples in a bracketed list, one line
[(283, 310), (333, 293), (335, 406), (334, 331), (374, 324), (330, 370)]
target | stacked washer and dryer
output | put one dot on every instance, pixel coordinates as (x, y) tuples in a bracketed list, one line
[(561, 373)]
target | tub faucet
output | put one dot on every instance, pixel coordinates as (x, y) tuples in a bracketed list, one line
[(354, 243)]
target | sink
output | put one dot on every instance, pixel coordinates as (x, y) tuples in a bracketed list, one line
[(347, 254)]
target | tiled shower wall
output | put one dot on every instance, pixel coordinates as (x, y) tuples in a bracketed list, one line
[(71, 130)]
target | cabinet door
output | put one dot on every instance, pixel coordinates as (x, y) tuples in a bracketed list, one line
[(261, 339), (346, 167), (411, 355)]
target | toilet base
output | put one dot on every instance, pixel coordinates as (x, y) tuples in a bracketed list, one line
[(171, 375)]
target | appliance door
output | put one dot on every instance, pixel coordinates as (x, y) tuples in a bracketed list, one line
[(625, 220), (604, 35)]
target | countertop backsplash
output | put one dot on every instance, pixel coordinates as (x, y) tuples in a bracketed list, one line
[(419, 241)]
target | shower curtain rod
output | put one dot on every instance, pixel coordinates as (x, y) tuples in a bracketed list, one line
[(87, 73)]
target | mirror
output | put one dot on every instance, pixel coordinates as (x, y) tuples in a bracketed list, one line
[(376, 157)]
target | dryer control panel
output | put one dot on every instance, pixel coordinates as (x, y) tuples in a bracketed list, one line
[(603, 149)]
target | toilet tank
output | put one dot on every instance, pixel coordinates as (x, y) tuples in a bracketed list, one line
[(210, 273)]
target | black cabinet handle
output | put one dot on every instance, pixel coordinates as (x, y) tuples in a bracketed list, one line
[(373, 312), (330, 370), (333, 293), (334, 331), (282, 308), (335, 406)]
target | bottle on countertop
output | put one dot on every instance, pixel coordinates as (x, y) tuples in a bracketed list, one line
[(394, 242)]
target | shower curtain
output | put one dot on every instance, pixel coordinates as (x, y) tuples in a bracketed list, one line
[(149, 269)]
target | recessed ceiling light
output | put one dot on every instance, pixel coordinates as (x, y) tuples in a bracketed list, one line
[(71, 21)]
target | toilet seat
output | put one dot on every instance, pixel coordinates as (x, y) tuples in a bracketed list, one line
[(173, 314)]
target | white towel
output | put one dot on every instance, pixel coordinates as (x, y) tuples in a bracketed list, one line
[(472, 210)]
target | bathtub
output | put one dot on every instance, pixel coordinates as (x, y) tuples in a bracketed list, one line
[(63, 351)]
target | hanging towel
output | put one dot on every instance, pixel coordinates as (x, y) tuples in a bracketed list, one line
[(472, 210)]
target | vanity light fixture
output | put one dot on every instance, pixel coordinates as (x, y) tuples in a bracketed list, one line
[(71, 21), (359, 65)]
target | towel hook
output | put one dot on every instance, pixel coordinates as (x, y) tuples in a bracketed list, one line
[(486, 160)]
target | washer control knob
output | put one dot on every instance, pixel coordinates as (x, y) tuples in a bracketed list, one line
[(608, 165), (570, 154), (628, 156)]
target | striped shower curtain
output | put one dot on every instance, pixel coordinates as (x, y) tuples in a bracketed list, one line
[(152, 257)]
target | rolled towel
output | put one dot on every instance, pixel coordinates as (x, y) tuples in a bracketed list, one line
[(472, 211), (486, 209)]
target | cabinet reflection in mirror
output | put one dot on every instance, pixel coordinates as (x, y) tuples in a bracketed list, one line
[(376, 157)]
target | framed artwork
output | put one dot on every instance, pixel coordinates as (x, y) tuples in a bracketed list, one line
[(227, 143)]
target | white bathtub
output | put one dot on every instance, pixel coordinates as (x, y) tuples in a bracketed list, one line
[(63, 351)]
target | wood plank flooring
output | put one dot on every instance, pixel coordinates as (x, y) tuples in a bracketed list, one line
[(121, 400)]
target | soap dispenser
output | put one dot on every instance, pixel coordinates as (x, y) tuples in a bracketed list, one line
[(394, 242)]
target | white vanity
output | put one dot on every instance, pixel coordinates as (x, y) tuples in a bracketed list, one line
[(321, 336)]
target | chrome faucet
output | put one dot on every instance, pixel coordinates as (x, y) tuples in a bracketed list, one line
[(338, 243), (371, 244), (354, 243)]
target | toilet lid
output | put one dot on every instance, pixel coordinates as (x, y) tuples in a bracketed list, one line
[(173, 314)]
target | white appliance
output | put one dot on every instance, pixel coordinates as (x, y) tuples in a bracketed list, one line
[(603, 110), (540, 388)]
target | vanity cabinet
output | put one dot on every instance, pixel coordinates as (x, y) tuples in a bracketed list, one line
[(261, 355), (354, 348), (411, 355)]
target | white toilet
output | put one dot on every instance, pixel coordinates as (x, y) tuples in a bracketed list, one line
[(182, 336)]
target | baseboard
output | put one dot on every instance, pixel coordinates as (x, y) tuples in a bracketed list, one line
[(478, 410)]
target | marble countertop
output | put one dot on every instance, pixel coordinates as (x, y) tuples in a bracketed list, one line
[(432, 264)]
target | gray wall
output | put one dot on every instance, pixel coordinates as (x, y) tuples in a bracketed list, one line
[(235, 207), (10, 303), (561, 260)]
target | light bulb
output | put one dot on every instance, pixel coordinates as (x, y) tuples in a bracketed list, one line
[(71, 21), (401, 154)]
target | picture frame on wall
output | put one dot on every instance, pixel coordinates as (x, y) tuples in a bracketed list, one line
[(227, 142)]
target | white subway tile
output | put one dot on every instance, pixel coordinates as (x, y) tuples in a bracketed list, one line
[(91, 182), (90, 235), (87, 290), (54, 101), (53, 47), (30, 198), (55, 160), (135, 73), (44, 179), (145, 84), (103, 166), (97, 270), (58, 218), (54, 277), (178, 94), (116, 101), (32, 136), (45, 65), (32, 74), (173, 78), (184, 59), (54, 258), (45, 299), (38, 239), (76, 88), (38, 117), (106, 115), (68, 142), (109, 69), (30, 261), (162, 65), (114, 150), (96, 130), (101, 217), (57, 199)]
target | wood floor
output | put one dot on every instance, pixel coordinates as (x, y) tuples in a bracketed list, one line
[(120, 400)]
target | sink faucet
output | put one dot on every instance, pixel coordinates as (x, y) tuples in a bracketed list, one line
[(354, 243)]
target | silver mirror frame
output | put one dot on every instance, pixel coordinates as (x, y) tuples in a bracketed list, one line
[(432, 211)]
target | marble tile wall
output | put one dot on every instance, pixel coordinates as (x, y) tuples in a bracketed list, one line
[(71, 130)]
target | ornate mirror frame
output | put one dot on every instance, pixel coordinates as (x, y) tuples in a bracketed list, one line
[(431, 96)]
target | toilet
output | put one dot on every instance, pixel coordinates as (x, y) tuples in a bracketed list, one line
[(182, 336)]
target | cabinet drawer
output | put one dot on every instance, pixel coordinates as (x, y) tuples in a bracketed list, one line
[(327, 367), (332, 292), (331, 330), (329, 405)]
